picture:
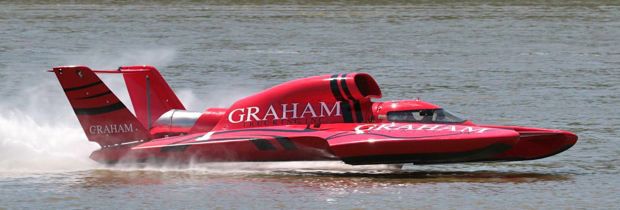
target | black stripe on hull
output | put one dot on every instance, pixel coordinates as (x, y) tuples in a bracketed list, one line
[(345, 107), (84, 86), (95, 96), (333, 84), (286, 143), (356, 104), (358, 111), (435, 158), (346, 112), (99, 110), (179, 148), (263, 144)]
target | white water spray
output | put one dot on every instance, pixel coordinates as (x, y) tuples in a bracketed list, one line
[(40, 133), (38, 129)]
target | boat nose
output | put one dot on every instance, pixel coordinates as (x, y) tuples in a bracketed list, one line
[(570, 139), (564, 141)]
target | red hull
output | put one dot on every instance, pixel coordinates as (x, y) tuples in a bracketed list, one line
[(341, 142), (328, 117)]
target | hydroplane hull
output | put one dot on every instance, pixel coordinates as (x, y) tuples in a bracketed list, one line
[(330, 117)]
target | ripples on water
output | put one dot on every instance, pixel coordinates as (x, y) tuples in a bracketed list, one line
[(267, 185), (548, 64)]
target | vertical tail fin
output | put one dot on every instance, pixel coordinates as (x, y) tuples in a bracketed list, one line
[(104, 118), (150, 95)]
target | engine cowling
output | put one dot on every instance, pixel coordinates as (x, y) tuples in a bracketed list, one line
[(174, 122), (320, 99)]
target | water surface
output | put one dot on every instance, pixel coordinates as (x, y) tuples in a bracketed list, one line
[(535, 63)]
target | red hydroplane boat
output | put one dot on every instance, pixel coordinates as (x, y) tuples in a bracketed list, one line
[(329, 117)]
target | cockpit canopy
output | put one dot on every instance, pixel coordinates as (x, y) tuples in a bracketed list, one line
[(424, 116)]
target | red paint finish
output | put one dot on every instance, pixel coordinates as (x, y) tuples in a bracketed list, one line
[(103, 116), (329, 117), (209, 118)]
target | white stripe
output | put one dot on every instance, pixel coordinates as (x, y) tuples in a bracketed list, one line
[(205, 137), (208, 142)]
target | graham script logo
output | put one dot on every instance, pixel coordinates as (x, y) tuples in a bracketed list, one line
[(285, 112), (418, 127), (111, 128)]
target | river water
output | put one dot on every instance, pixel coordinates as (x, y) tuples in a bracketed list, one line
[(553, 64)]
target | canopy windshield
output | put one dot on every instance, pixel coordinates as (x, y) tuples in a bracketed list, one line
[(424, 116)]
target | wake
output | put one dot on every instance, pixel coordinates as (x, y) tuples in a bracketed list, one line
[(39, 133)]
